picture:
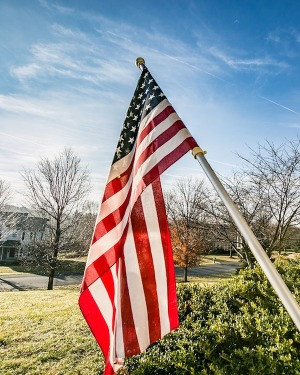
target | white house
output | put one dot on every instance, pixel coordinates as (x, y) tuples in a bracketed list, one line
[(18, 228)]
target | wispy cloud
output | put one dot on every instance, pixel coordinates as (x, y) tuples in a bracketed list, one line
[(280, 105), (246, 63), (21, 105)]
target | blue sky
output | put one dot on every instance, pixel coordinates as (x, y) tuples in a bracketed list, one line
[(67, 74)]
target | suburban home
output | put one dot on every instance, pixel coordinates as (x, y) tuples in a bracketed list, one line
[(18, 228)]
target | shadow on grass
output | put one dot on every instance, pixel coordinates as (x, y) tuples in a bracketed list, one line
[(13, 285), (64, 268)]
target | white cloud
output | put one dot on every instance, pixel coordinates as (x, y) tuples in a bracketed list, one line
[(26, 71), (22, 105)]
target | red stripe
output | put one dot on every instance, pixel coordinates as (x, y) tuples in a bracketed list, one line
[(95, 320), (103, 263), (118, 183), (158, 142), (168, 255), (111, 220), (131, 344), (143, 251), (153, 123), (166, 162)]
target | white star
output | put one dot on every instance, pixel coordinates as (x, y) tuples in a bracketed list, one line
[(150, 80), (135, 118), (131, 140), (131, 114), (161, 94), (146, 91), (118, 150), (140, 96), (143, 85), (122, 144), (146, 75), (143, 101), (151, 97), (138, 106), (121, 138), (148, 106), (155, 87), (133, 128)]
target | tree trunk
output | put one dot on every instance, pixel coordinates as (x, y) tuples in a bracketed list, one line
[(185, 279), (55, 253), (51, 278)]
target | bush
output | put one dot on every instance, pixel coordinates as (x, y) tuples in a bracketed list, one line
[(237, 327)]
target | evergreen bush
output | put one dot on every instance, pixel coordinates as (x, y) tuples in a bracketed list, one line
[(237, 327)]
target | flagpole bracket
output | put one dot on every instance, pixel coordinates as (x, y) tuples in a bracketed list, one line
[(140, 63), (198, 150)]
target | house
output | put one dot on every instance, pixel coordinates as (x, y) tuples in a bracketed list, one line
[(18, 228)]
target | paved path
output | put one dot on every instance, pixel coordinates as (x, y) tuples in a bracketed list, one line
[(30, 281), (220, 267)]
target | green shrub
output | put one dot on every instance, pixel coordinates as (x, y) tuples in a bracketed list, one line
[(237, 327)]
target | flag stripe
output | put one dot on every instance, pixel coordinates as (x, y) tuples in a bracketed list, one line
[(136, 290), (131, 344), (156, 248), (143, 251)]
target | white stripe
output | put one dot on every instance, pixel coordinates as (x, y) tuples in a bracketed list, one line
[(120, 352), (156, 157), (107, 241), (156, 131), (136, 292), (115, 201), (157, 251), (101, 297)]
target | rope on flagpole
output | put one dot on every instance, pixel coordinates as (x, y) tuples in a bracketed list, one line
[(262, 258)]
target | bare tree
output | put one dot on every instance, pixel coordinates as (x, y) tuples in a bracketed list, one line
[(185, 211), (57, 189), (78, 237), (5, 194), (267, 192)]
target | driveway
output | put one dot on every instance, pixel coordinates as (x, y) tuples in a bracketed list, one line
[(220, 267), (30, 281)]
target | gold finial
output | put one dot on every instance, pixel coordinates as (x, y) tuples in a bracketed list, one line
[(140, 63), (198, 150)]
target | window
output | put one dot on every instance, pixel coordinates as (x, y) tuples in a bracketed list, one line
[(23, 236), (12, 253)]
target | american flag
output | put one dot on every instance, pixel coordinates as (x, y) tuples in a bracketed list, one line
[(128, 292)]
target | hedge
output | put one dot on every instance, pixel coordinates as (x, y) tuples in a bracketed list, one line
[(237, 327)]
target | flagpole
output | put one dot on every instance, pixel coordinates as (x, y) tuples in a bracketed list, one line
[(262, 258)]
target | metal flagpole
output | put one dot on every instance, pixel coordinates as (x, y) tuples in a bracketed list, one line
[(262, 258)]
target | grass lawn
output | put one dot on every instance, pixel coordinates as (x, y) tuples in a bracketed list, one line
[(44, 333)]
